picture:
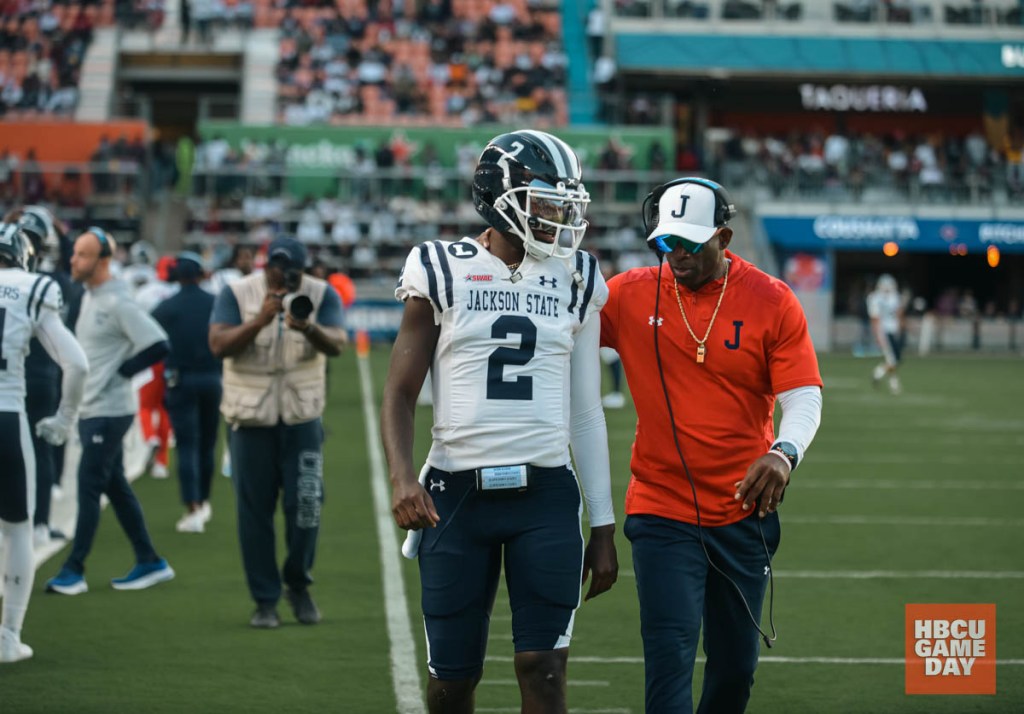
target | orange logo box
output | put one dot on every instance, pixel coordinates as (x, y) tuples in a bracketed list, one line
[(951, 649)]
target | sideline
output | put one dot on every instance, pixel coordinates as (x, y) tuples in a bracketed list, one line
[(404, 673)]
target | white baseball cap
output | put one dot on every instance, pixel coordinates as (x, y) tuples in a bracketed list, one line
[(686, 210)]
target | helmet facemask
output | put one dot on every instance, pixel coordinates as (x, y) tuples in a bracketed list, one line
[(548, 219)]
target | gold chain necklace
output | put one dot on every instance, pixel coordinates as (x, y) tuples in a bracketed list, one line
[(513, 266), (701, 350)]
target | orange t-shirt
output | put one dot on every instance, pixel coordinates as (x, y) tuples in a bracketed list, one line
[(758, 347)]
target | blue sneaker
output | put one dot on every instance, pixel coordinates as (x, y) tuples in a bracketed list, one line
[(144, 575), (67, 582)]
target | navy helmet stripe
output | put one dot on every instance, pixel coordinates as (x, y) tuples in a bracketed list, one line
[(589, 292), (431, 276), (42, 297), (446, 273), (32, 294), (575, 290)]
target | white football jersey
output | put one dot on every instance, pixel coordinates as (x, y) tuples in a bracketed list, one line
[(885, 306), (500, 375), (23, 298)]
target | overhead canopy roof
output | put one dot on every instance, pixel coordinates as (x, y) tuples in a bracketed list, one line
[(844, 56)]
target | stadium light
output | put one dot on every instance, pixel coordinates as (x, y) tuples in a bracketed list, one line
[(992, 253), (891, 248)]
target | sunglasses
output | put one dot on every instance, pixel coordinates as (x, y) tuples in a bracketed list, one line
[(668, 243)]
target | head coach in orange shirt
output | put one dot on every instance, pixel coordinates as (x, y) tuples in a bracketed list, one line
[(708, 343)]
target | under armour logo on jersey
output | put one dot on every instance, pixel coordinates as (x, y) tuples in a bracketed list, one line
[(97, 438), (650, 320), (544, 282), (439, 485), (767, 570)]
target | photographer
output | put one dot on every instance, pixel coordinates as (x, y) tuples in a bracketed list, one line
[(274, 331)]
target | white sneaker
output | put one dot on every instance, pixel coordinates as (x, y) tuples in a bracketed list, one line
[(41, 535), (206, 510), (614, 400), (158, 471), (12, 649), (191, 523)]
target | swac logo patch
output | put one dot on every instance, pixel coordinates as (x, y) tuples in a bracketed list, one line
[(479, 278)]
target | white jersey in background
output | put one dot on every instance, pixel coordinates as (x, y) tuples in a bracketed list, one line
[(501, 370), (886, 307), (25, 300)]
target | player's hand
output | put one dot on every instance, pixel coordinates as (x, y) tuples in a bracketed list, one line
[(412, 506), (600, 560), (54, 429), (271, 308), (764, 484)]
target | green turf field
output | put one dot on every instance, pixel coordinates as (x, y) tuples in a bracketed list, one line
[(916, 498)]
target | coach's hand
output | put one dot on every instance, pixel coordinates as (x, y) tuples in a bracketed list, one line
[(764, 484), (600, 559), (412, 506)]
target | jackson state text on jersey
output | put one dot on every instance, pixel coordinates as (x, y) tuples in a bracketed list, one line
[(23, 297), (500, 374)]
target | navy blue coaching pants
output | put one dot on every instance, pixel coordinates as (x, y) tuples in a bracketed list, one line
[(678, 591), (101, 472), (266, 461)]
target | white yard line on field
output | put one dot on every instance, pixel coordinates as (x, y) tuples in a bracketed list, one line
[(912, 485), (571, 683), (771, 659), (890, 574), (950, 521), (404, 673), (516, 710)]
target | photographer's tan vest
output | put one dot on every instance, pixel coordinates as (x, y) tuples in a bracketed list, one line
[(279, 376)]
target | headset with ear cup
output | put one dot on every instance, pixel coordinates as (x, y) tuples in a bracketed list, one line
[(103, 238), (725, 209)]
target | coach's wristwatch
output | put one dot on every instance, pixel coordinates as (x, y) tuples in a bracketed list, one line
[(787, 451)]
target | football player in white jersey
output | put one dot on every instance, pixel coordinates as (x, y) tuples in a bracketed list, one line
[(29, 307), (507, 324), (885, 308)]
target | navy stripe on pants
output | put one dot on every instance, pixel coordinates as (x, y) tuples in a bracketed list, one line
[(193, 405), (101, 471), (678, 591), (266, 461)]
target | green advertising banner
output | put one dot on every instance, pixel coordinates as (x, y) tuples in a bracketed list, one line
[(316, 154)]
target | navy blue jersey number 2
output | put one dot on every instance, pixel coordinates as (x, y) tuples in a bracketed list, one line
[(3, 319), (521, 388)]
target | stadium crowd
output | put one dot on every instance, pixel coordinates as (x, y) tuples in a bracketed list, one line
[(42, 48), (467, 62)]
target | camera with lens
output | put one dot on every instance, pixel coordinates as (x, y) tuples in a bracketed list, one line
[(300, 307)]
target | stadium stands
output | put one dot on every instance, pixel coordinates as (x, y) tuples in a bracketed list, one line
[(482, 61), (42, 47)]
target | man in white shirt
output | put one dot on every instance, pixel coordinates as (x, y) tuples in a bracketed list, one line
[(885, 308), (120, 339)]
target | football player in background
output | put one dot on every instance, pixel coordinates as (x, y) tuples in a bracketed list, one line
[(29, 308), (42, 373), (507, 325), (885, 308)]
